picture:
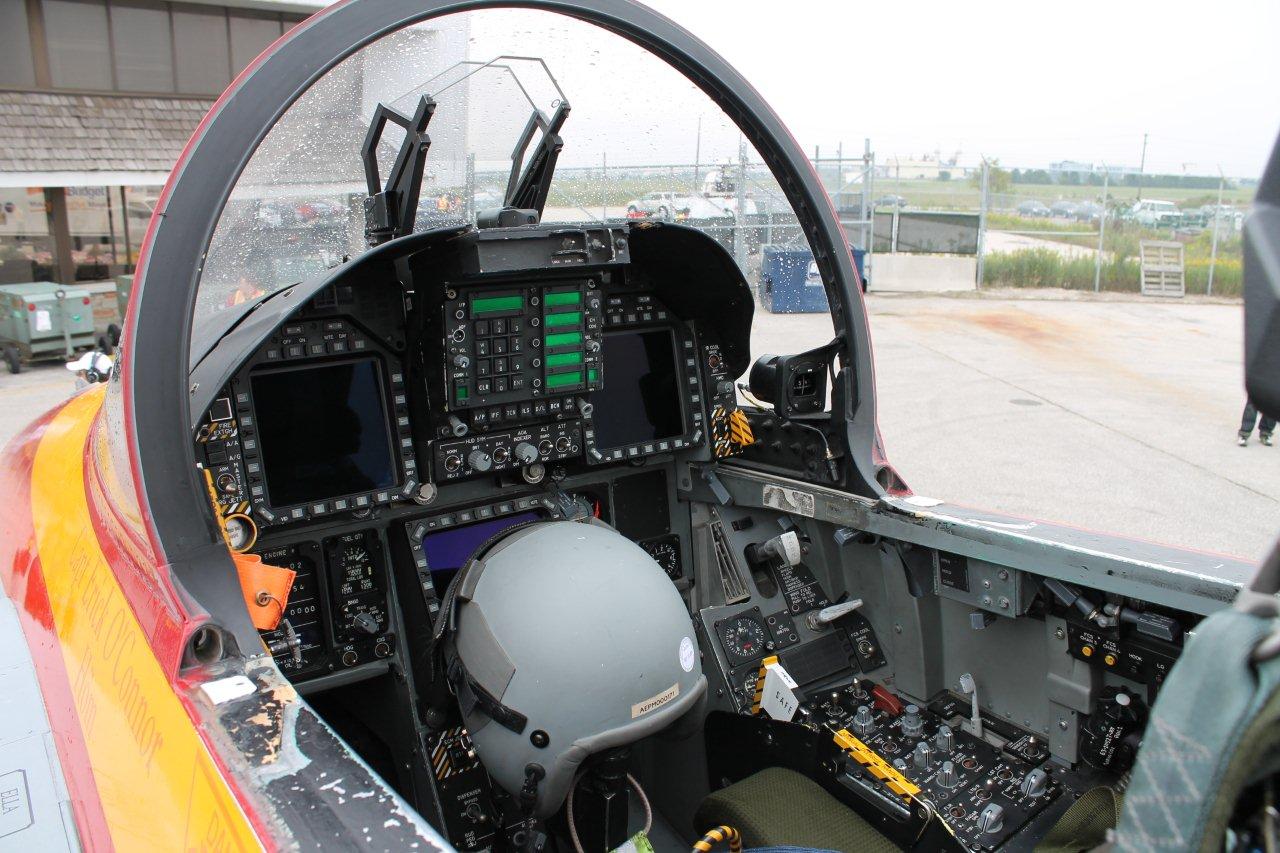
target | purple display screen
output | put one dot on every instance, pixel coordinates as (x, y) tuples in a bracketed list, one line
[(447, 550)]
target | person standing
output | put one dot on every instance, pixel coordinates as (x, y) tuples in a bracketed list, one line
[(1265, 427)]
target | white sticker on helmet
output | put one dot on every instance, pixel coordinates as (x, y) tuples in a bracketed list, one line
[(654, 702), (687, 655)]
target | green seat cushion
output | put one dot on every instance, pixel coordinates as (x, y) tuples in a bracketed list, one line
[(778, 807)]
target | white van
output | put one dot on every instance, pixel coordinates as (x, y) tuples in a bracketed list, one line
[(1154, 213)]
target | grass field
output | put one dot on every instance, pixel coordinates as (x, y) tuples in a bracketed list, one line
[(1044, 267), (959, 195), (573, 188)]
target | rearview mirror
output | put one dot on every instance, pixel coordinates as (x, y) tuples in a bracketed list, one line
[(1262, 293)]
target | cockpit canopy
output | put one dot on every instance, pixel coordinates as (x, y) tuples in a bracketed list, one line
[(634, 138)]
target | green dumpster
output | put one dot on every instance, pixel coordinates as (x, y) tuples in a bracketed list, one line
[(106, 303), (44, 320)]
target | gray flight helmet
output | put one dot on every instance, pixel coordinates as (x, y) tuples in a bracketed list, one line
[(567, 639)]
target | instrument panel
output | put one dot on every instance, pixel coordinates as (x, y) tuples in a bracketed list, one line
[(389, 428), (337, 614), (401, 409), (316, 423), (508, 345)]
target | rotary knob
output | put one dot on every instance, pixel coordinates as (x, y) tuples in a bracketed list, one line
[(526, 453), (992, 818), (479, 460), (1034, 784), (945, 739), (863, 722), (366, 622), (461, 361), (912, 724), (947, 777), (922, 755)]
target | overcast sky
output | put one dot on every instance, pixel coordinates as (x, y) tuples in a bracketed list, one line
[(1028, 82)]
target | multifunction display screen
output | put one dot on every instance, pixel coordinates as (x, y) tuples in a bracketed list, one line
[(323, 432), (449, 549), (641, 398)]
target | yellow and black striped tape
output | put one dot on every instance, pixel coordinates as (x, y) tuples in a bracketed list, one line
[(740, 429), (715, 836), (755, 702), (876, 766)]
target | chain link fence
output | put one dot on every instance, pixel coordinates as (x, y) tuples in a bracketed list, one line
[(1076, 226)]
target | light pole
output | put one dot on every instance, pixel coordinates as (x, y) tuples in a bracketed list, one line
[(1142, 166), (1213, 252), (982, 220), (697, 157), (1102, 230)]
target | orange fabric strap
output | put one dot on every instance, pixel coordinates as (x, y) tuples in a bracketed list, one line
[(265, 588)]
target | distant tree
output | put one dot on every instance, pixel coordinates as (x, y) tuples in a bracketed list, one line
[(999, 180), (944, 175)]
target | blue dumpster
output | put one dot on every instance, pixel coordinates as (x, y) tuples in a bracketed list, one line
[(790, 282)]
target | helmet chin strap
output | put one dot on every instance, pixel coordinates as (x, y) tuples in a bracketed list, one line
[(471, 693), (533, 774), (445, 649)]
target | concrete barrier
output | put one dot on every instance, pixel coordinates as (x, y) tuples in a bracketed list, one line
[(907, 273)]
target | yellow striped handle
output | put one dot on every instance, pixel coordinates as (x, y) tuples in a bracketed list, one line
[(876, 766), (755, 701), (715, 836)]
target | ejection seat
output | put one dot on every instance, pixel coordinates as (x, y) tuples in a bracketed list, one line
[(781, 809)]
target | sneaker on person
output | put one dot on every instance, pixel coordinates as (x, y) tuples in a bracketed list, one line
[(1266, 438), (1242, 439)]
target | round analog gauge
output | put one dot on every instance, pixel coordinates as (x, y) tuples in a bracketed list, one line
[(355, 568), (744, 638), (241, 532), (665, 554)]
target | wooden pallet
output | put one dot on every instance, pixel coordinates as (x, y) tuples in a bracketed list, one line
[(1163, 273)]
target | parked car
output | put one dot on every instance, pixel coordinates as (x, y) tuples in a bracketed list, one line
[(1088, 211), (1063, 208), (719, 205), (654, 205), (487, 198), (311, 211), (1031, 207), (1154, 213), (1195, 217), (1229, 218), (669, 206), (891, 201)]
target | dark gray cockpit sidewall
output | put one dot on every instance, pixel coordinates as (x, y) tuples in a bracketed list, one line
[(182, 527)]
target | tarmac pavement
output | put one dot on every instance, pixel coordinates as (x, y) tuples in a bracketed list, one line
[(1116, 414)]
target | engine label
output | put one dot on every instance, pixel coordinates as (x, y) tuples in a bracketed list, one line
[(642, 708)]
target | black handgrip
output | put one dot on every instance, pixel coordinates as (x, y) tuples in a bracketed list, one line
[(1152, 624)]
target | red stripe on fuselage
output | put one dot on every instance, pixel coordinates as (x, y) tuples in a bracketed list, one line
[(23, 582)]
